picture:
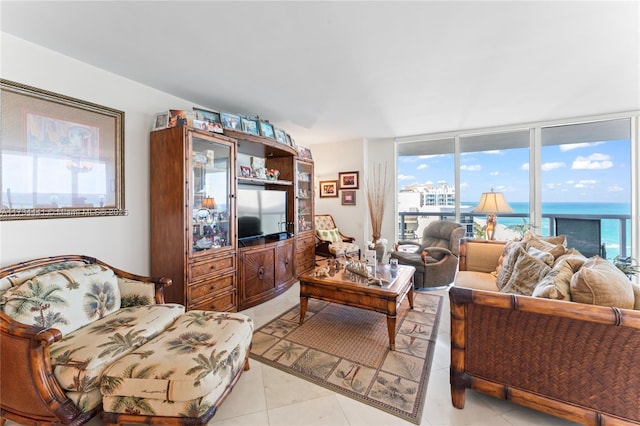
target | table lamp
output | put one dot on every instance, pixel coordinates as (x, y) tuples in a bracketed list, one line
[(492, 203)]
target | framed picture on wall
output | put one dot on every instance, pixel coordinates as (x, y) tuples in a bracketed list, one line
[(328, 188), (348, 197), (348, 180)]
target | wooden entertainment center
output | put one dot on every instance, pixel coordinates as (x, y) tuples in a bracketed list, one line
[(196, 178)]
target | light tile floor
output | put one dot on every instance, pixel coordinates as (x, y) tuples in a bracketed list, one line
[(267, 396)]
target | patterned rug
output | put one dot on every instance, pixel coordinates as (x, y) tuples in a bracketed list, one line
[(347, 351)]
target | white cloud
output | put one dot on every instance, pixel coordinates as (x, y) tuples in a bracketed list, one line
[(422, 167), (471, 168), (464, 185), (593, 162), (551, 166), (615, 188), (493, 152), (496, 173), (586, 183), (525, 166), (406, 177), (571, 146)]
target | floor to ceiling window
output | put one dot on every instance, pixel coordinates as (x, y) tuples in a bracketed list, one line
[(555, 177)]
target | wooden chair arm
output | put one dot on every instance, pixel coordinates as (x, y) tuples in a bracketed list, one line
[(28, 384)]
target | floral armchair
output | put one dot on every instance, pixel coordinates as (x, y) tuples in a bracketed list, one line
[(330, 242)]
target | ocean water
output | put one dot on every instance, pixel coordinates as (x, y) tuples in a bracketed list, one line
[(609, 229)]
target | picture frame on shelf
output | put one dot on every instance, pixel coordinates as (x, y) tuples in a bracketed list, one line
[(258, 168), (348, 180), (348, 197), (281, 136), (230, 121), (180, 117), (250, 125), (245, 171), (78, 137), (290, 140), (266, 130), (328, 189), (304, 153), (207, 120), (161, 120)]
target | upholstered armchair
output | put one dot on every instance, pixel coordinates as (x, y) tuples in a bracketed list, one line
[(330, 241), (436, 256)]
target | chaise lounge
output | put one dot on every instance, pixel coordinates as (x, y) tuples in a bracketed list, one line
[(66, 322)]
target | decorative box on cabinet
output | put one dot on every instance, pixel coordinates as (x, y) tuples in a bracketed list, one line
[(192, 182)]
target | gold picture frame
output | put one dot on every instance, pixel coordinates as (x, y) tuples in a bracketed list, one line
[(60, 156), (328, 189)]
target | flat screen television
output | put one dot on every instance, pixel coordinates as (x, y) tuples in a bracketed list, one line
[(261, 213)]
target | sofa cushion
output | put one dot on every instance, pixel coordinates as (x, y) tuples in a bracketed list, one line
[(66, 299), (134, 293), (557, 283), (599, 282), (18, 278), (79, 359), (527, 272), (543, 256), (636, 295), (198, 355), (512, 251), (332, 235), (476, 280), (543, 244)]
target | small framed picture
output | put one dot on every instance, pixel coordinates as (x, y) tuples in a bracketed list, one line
[(348, 197), (328, 188), (250, 125), (281, 136), (207, 120), (246, 171), (230, 121), (290, 140), (304, 153), (161, 120), (266, 130), (179, 117), (348, 180)]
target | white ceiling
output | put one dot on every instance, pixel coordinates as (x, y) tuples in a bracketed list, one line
[(334, 71)]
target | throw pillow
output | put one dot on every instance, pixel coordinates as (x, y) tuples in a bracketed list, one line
[(539, 243), (636, 295), (543, 256), (599, 282), (553, 239), (557, 283), (508, 264), (332, 235), (527, 272)]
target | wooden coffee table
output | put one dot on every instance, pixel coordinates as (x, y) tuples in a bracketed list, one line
[(350, 289)]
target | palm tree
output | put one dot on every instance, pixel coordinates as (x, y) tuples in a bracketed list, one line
[(195, 409), (118, 343), (39, 298), (190, 342), (99, 300), (113, 325), (205, 366)]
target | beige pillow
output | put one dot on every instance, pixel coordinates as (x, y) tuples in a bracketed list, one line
[(599, 282), (543, 256), (636, 295), (527, 272), (536, 242), (332, 235), (506, 250), (554, 239), (515, 250), (557, 283)]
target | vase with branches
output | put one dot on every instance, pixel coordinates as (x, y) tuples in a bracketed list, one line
[(377, 188)]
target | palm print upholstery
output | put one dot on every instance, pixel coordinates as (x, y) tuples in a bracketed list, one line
[(182, 371)]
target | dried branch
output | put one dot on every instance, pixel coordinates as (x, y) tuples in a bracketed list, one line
[(376, 194)]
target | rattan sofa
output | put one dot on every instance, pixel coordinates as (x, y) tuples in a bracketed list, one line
[(568, 359)]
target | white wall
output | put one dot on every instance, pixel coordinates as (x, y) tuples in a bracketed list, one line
[(362, 156), (120, 241)]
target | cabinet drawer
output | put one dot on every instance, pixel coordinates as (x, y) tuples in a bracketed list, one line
[(304, 242), (199, 271), (223, 302), (212, 287)]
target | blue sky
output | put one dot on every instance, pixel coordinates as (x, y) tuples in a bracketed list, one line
[(580, 172)]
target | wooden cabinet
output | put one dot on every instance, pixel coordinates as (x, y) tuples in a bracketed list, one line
[(266, 270), (192, 221), (305, 244), (196, 183)]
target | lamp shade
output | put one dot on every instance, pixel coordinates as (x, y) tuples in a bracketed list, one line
[(493, 202), (208, 203)]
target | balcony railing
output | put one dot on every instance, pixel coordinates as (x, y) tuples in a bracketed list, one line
[(613, 221)]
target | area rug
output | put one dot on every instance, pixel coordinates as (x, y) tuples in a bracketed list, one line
[(346, 350)]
